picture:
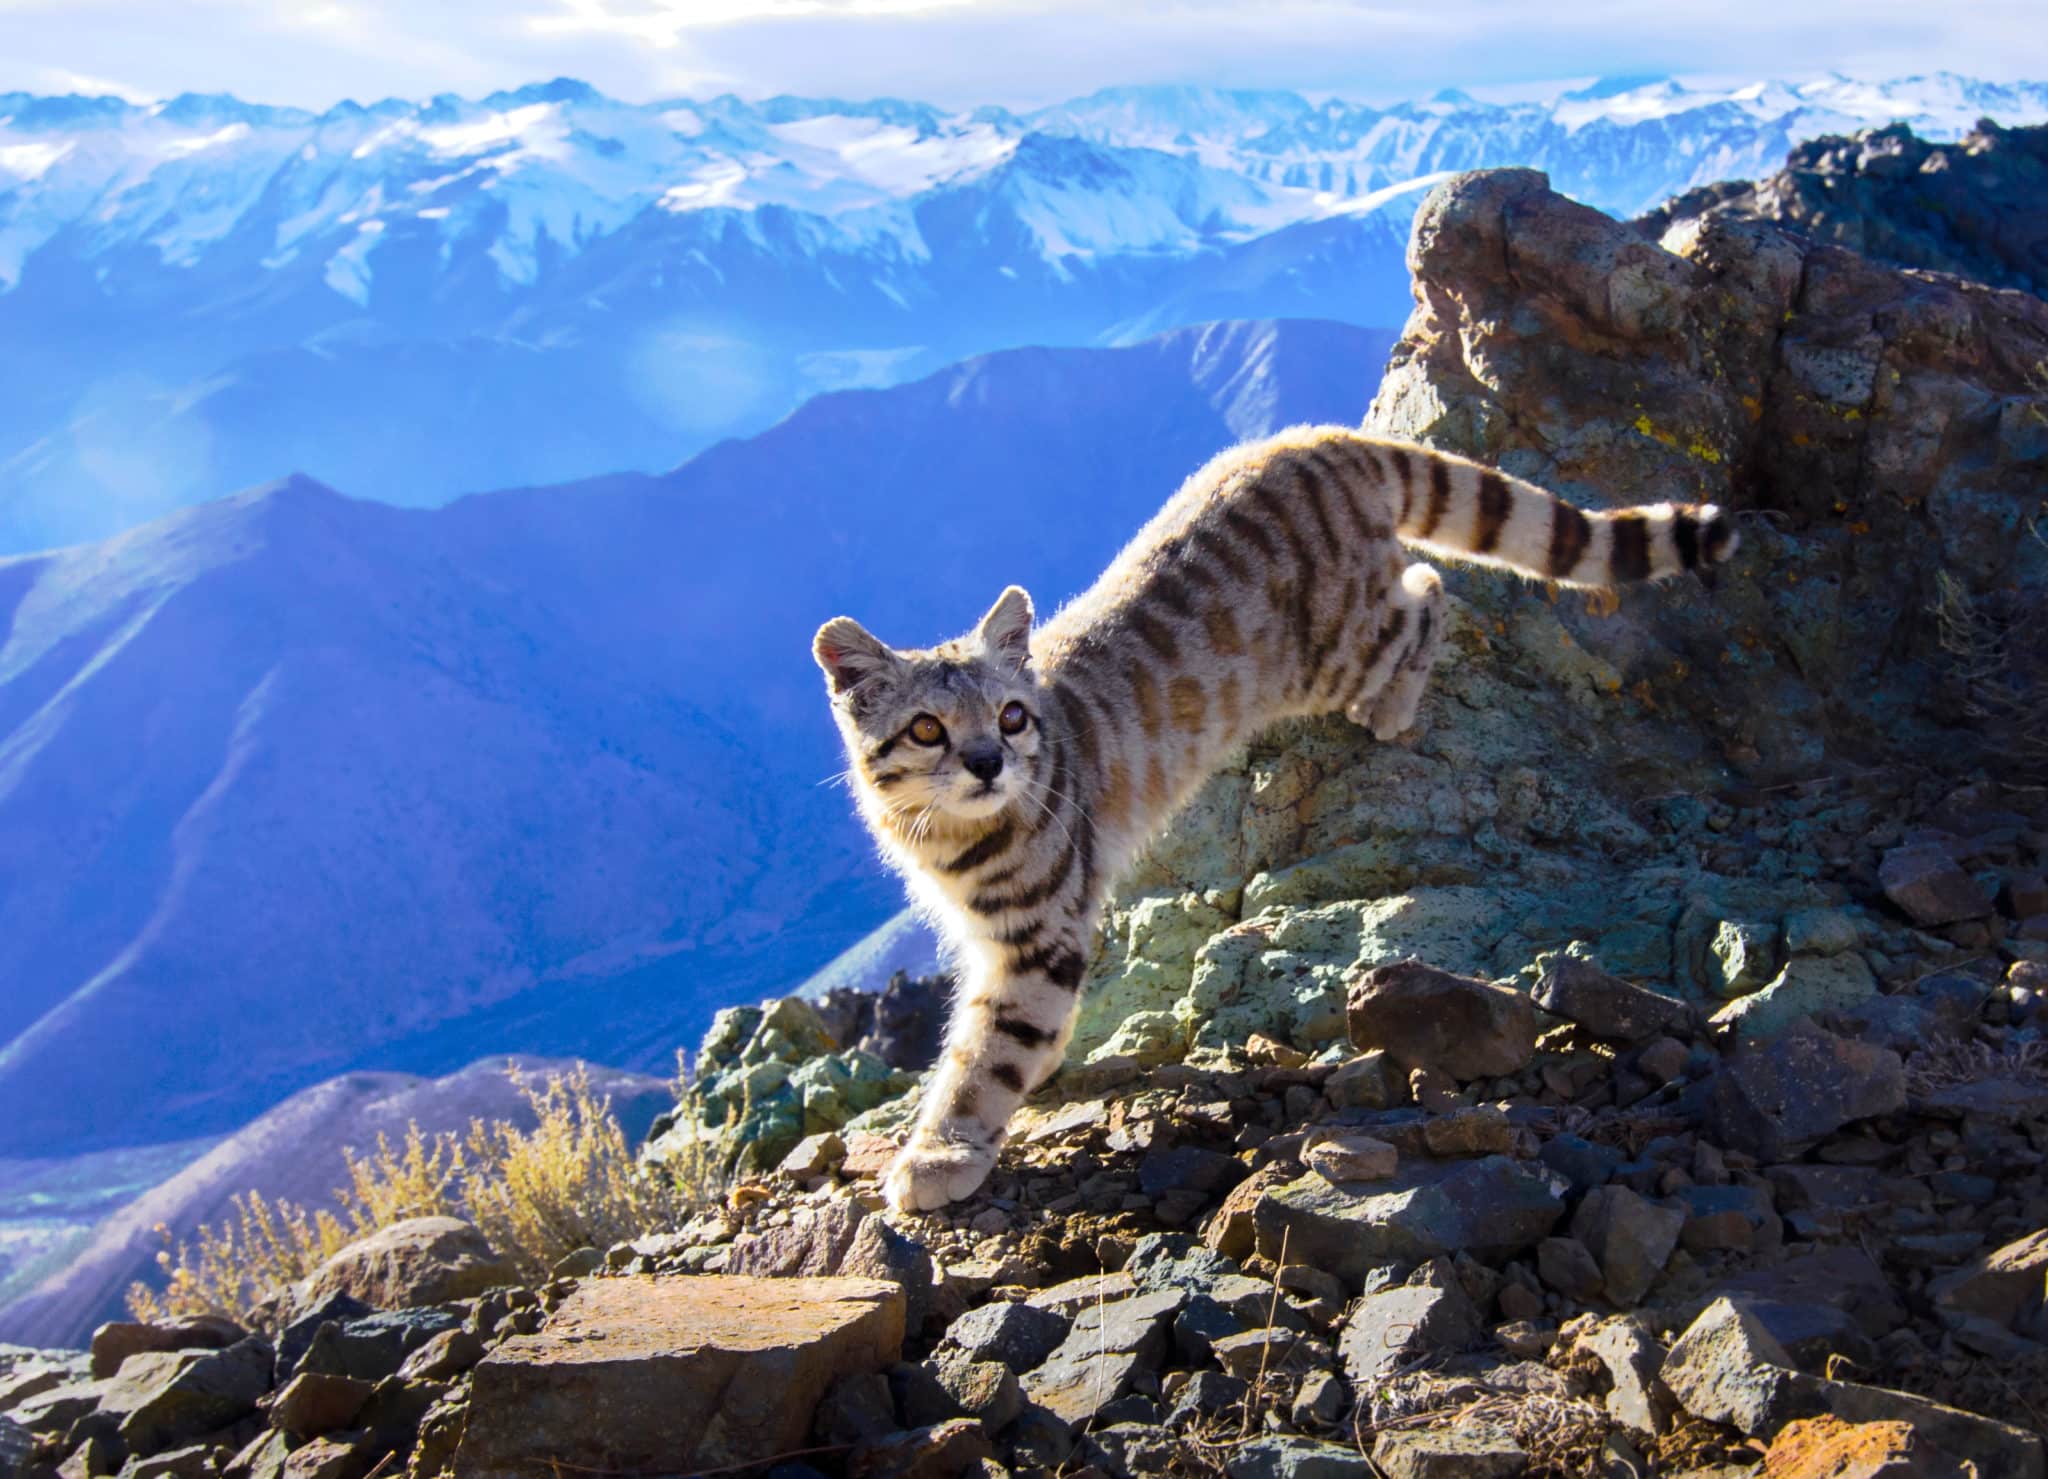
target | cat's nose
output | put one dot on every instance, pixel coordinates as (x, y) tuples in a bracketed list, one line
[(983, 759)]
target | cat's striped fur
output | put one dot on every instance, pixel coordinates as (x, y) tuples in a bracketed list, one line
[(1011, 775)]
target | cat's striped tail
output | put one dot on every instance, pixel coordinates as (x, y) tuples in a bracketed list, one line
[(1475, 513)]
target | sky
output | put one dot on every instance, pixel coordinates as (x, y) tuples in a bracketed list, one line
[(313, 53)]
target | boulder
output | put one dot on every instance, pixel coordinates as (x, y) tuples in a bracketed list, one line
[(674, 1374), (166, 1398), (420, 1261), (1727, 1368), (1426, 1018), (1777, 1100), (1930, 886), (1492, 1207), (1608, 1006)]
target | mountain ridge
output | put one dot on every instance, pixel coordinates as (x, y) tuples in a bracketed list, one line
[(413, 300)]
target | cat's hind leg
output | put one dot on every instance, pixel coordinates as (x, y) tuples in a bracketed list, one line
[(1411, 635)]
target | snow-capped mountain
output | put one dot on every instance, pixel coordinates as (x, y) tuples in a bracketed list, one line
[(411, 299)]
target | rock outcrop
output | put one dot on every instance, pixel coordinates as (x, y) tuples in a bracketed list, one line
[(1976, 208)]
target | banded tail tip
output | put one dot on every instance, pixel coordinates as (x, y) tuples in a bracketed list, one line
[(1715, 536)]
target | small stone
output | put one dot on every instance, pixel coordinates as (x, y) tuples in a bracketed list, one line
[(447, 1355), (315, 1403), (1425, 1017), (1492, 1207), (814, 1155), (1396, 1326), (326, 1458), (1320, 1400), (1369, 1081), (1465, 1450), (1188, 1168), (2008, 1286), (1930, 886), (985, 1390), (1019, 1335), (1726, 1368), (1351, 1158), (1637, 1397), (1282, 1456), (195, 1461), (1208, 1392), (944, 1451), (857, 1406), (1607, 1006), (1821, 932), (1270, 1352), (1630, 1237), (1567, 1266), (1525, 1339), (1480, 1130), (1108, 1347), (1664, 1060), (1740, 957)]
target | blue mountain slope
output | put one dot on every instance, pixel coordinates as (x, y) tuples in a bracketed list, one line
[(292, 783)]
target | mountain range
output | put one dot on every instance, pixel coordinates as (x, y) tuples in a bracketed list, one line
[(413, 299)]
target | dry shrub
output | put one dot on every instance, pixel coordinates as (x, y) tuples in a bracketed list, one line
[(1995, 658), (536, 1194)]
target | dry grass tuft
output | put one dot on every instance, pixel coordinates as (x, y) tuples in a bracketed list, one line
[(1945, 1062), (1999, 681), (537, 1194)]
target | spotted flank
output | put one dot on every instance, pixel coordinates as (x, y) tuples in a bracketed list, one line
[(1011, 775)]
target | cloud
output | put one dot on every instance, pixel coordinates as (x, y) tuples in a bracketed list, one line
[(957, 52)]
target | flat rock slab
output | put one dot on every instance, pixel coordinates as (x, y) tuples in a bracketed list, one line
[(1462, 1451), (1490, 1207), (1777, 1101), (1103, 1354), (1427, 1018), (674, 1374), (1607, 1006)]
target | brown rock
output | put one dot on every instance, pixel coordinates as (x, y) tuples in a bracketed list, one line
[(1478, 1130), (420, 1261), (327, 1458), (1605, 1005), (868, 1155), (1232, 1229), (1427, 1018), (117, 1340), (1931, 887), (1777, 1100), (674, 1374), (2008, 1286), (315, 1403), (1632, 1238), (1351, 1158), (1828, 1448), (944, 1451)]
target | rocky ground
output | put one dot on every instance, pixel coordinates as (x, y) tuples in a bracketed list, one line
[(1639, 1069), (1588, 1231)]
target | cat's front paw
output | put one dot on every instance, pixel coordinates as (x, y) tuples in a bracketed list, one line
[(928, 1174)]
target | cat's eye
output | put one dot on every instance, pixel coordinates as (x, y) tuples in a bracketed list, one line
[(927, 731), (1013, 718)]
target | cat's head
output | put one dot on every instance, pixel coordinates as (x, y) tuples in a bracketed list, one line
[(942, 734)]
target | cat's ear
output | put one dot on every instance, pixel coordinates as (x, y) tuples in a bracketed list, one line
[(1005, 632), (848, 652)]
